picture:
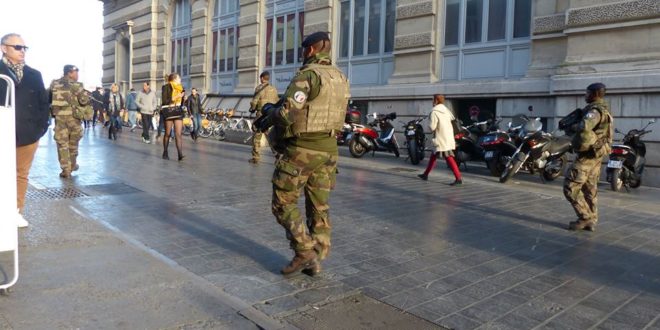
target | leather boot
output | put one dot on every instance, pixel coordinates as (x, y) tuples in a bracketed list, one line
[(165, 155), (302, 260)]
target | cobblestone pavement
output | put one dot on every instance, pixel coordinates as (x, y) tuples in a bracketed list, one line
[(484, 255)]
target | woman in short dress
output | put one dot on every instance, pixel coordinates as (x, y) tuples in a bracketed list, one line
[(172, 97)]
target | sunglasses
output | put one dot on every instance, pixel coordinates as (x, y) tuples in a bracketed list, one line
[(18, 47)]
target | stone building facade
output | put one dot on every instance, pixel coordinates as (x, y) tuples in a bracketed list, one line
[(501, 56)]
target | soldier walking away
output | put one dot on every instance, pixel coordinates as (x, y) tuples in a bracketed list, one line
[(31, 106), (69, 105), (304, 124), (592, 140), (440, 120), (264, 93)]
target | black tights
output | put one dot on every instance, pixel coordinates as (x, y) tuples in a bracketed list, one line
[(178, 127)]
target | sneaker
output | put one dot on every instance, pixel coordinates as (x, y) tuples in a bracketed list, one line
[(148, 142), (20, 221)]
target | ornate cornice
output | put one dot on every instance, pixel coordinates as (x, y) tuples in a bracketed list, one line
[(613, 13), (549, 24), (317, 4), (413, 40), (415, 10)]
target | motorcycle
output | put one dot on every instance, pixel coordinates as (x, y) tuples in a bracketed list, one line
[(415, 140), (626, 163), (467, 146), (367, 138), (499, 146), (540, 151), (346, 134)]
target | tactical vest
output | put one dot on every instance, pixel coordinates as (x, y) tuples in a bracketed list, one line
[(269, 96), (326, 111), (602, 132)]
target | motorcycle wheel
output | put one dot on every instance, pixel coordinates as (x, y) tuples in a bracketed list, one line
[(413, 152), (616, 182), (356, 149), (552, 174), (510, 170), (636, 183), (495, 167)]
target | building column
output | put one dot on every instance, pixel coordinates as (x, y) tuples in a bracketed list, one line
[(416, 42), (319, 15), (198, 45), (250, 46)]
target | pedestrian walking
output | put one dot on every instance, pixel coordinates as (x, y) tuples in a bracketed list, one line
[(592, 140), (70, 104), (147, 102), (172, 113), (263, 94), (97, 106), (194, 106), (305, 123), (440, 123), (114, 104), (31, 106), (132, 108)]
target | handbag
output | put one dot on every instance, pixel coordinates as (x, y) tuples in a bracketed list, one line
[(171, 112)]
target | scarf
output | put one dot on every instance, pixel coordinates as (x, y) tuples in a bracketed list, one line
[(177, 93), (17, 68)]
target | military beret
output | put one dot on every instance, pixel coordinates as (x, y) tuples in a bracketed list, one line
[(596, 87), (69, 67), (314, 38)]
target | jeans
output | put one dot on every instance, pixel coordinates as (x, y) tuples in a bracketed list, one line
[(146, 125), (132, 114), (197, 122)]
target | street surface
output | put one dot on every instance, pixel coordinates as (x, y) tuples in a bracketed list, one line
[(195, 241)]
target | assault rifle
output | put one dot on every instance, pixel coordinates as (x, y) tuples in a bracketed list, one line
[(568, 123)]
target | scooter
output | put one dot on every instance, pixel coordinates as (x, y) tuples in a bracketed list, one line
[(467, 146), (499, 146), (415, 140), (539, 151), (367, 138), (626, 163)]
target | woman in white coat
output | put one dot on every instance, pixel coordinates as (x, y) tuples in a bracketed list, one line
[(440, 120)]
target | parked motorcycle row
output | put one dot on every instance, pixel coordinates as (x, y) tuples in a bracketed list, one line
[(522, 146)]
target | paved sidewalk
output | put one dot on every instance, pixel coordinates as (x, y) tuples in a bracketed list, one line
[(485, 255)]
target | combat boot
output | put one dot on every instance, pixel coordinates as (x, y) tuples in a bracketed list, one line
[(65, 174), (314, 270), (75, 167), (582, 225), (302, 260)]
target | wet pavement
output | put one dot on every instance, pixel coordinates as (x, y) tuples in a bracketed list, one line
[(484, 255)]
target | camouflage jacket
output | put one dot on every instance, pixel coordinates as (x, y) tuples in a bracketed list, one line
[(264, 93), (69, 98), (595, 130)]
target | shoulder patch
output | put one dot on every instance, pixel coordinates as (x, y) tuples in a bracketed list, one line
[(299, 97)]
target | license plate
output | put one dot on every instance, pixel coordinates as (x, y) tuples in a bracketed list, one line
[(411, 133), (615, 164), (488, 155)]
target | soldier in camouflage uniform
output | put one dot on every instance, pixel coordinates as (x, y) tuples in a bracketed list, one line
[(70, 104), (592, 141), (264, 93), (304, 124)]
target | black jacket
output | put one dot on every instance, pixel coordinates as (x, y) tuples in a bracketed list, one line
[(194, 104), (166, 94), (32, 108)]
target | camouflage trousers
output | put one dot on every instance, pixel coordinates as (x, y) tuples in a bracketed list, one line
[(581, 187), (256, 144), (314, 172), (67, 134)]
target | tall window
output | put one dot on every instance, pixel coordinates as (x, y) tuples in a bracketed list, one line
[(180, 43), (486, 38), (225, 36), (370, 23), (486, 20), (283, 38)]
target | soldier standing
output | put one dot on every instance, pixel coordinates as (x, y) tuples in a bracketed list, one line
[(69, 105), (304, 122), (264, 93), (592, 141)]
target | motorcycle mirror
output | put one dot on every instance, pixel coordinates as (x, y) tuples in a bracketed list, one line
[(509, 125)]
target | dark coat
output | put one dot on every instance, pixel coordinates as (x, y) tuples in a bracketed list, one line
[(32, 108), (166, 94), (106, 103), (194, 104)]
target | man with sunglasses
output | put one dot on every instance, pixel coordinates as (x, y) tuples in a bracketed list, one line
[(70, 105), (31, 110)]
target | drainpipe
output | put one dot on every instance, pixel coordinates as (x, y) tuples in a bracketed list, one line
[(130, 54)]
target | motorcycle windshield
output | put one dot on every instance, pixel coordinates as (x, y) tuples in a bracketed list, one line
[(532, 126)]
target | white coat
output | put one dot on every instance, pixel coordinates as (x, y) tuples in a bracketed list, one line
[(440, 124)]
